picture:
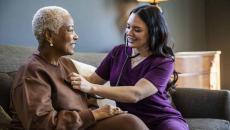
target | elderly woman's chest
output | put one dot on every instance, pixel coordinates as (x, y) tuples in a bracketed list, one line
[(64, 96)]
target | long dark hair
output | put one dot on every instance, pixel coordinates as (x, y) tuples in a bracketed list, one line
[(158, 35)]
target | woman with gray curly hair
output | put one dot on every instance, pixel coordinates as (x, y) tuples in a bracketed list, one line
[(42, 96)]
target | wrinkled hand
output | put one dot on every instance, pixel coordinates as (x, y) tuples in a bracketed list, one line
[(80, 83), (106, 111)]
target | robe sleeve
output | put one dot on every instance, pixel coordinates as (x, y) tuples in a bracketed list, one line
[(32, 101)]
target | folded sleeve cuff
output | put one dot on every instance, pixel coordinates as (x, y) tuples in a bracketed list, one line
[(87, 118)]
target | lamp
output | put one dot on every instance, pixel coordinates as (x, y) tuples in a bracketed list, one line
[(153, 2)]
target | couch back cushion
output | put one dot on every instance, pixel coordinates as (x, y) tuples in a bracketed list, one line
[(12, 56), (202, 103), (5, 85), (93, 59)]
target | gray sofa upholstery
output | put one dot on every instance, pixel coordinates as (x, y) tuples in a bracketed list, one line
[(203, 109)]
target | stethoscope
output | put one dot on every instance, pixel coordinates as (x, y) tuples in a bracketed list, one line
[(126, 59)]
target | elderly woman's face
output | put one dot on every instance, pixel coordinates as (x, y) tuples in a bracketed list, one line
[(66, 38)]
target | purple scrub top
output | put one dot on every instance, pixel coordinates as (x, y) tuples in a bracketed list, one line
[(155, 108)]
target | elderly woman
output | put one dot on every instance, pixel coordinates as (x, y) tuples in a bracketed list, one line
[(42, 96)]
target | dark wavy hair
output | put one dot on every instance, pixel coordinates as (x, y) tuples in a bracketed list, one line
[(158, 35)]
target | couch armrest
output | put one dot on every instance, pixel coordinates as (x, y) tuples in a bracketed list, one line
[(202, 103)]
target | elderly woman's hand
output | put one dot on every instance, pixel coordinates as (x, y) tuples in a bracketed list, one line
[(80, 83), (106, 111)]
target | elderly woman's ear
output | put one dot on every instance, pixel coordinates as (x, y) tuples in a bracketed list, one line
[(48, 34)]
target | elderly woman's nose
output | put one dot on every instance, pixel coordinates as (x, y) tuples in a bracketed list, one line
[(75, 37)]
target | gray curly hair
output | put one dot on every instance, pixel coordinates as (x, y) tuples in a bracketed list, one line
[(49, 17)]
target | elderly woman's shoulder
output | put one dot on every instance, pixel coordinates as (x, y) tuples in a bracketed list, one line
[(33, 64), (65, 60)]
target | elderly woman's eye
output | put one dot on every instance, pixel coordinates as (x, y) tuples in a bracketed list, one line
[(70, 30)]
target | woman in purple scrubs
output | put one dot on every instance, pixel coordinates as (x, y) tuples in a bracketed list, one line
[(139, 72)]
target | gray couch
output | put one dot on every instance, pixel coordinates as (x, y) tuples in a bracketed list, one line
[(203, 109)]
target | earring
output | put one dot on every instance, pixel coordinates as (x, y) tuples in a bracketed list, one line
[(51, 44)]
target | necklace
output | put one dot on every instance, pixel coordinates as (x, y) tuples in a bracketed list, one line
[(138, 58), (135, 61)]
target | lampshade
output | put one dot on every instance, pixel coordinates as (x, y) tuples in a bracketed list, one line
[(152, 1)]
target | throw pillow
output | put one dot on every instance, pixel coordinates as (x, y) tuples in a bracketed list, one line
[(87, 70), (5, 119), (84, 69), (5, 85)]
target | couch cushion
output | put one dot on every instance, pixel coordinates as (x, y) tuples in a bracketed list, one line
[(5, 119), (202, 103), (84, 69), (93, 59), (12, 56), (5, 85), (208, 124)]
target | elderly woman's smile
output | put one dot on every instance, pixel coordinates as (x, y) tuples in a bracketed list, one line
[(55, 34), (66, 37)]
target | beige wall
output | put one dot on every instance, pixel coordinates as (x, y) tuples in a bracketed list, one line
[(218, 34), (201, 25), (195, 25), (186, 20)]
